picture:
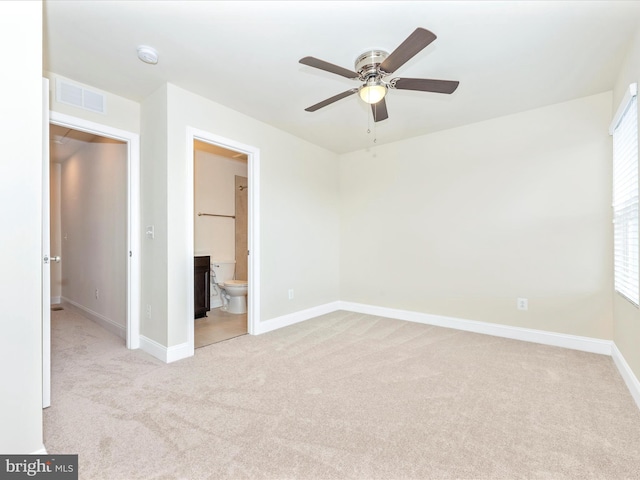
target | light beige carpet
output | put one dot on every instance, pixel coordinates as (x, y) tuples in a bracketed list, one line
[(342, 396)]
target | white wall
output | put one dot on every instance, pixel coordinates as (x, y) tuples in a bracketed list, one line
[(121, 112), (154, 204), (21, 179), (625, 315), (94, 231), (462, 222), (299, 210), (214, 192)]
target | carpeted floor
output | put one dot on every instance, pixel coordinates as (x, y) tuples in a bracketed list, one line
[(342, 396)]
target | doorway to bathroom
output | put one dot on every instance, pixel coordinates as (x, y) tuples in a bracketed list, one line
[(220, 241)]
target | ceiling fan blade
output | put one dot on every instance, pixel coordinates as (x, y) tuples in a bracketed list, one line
[(425, 85), (379, 111), (329, 101), (328, 67), (415, 42)]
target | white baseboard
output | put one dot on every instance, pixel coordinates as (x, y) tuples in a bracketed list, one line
[(55, 300), (101, 320), (574, 342), (627, 374), (296, 317), (41, 451), (178, 352), (165, 354)]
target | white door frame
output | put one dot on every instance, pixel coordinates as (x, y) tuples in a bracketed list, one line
[(46, 253), (132, 141), (253, 174)]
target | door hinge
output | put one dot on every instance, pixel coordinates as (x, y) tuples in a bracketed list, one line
[(130, 254)]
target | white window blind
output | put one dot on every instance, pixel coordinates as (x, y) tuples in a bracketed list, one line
[(625, 197)]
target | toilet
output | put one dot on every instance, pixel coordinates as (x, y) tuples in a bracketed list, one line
[(233, 292)]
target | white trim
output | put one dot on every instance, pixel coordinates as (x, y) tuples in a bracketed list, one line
[(105, 322), (627, 374), (632, 91), (153, 348), (165, 354), (133, 203), (297, 317), (178, 352), (253, 241), (134, 246), (55, 300), (41, 451), (574, 342), (45, 293)]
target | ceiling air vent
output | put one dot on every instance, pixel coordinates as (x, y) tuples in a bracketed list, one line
[(80, 97)]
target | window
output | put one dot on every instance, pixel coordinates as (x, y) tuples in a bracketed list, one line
[(625, 196)]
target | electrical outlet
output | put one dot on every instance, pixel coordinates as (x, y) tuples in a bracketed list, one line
[(291, 294), (523, 304), (148, 311), (97, 294)]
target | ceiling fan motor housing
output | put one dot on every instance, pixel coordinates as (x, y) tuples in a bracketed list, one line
[(367, 64)]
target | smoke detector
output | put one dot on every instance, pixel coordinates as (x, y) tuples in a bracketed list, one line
[(147, 54)]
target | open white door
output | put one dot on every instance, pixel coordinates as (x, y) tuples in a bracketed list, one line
[(46, 265)]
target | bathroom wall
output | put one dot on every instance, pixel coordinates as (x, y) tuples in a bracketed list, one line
[(94, 232), (214, 192), (242, 227)]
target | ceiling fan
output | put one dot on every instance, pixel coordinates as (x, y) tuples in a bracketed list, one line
[(371, 67)]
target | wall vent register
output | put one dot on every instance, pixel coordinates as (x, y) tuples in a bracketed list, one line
[(80, 97)]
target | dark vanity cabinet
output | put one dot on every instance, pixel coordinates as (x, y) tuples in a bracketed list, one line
[(201, 272)]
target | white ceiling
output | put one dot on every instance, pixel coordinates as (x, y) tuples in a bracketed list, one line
[(509, 57)]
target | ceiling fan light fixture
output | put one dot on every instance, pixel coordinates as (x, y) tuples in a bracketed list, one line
[(373, 91)]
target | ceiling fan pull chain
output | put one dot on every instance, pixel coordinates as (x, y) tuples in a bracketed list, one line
[(375, 130)]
